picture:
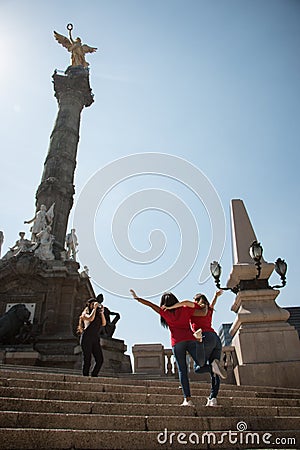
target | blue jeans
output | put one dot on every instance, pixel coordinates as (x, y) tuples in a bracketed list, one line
[(196, 350), (212, 349)]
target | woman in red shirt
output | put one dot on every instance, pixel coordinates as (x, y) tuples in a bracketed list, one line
[(182, 338), (211, 341)]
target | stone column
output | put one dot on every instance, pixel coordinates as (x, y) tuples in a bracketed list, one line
[(73, 92), (267, 347)]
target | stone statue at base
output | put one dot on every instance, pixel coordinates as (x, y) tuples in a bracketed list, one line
[(22, 245), (12, 322), (110, 327), (85, 272), (45, 243), (41, 220), (71, 243)]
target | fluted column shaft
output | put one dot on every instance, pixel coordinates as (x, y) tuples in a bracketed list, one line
[(73, 92)]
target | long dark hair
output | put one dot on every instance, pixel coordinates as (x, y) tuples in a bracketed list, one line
[(89, 302), (80, 326), (167, 299), (202, 297)]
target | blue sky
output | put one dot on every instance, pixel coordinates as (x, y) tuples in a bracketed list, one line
[(215, 83)]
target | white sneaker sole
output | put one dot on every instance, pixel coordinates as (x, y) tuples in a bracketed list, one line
[(218, 370)]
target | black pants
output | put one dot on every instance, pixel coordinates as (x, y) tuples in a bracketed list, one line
[(212, 349), (91, 346)]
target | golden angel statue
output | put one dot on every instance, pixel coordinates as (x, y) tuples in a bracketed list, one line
[(77, 49)]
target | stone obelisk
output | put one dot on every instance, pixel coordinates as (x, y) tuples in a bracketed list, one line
[(267, 347)]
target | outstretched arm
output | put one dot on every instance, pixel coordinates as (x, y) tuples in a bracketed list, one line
[(214, 300), (102, 316), (90, 317), (30, 221), (179, 305), (145, 302), (111, 313)]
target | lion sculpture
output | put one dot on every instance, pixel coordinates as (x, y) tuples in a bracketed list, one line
[(12, 322)]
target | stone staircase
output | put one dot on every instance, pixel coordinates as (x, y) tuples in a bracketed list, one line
[(48, 410)]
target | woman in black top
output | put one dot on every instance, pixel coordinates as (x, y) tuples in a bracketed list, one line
[(90, 322)]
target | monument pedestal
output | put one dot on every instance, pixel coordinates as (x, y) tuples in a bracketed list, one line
[(57, 294), (267, 347), (276, 374), (114, 359), (57, 351), (149, 359), (22, 355)]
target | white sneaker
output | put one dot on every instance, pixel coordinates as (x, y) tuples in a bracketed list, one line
[(218, 369), (211, 402), (187, 403), (198, 335)]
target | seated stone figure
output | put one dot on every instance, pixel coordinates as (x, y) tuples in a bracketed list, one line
[(29, 331), (12, 322), (110, 327), (22, 245)]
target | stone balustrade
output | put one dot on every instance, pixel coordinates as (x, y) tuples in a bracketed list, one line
[(154, 359)]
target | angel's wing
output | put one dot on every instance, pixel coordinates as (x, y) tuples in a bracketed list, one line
[(63, 40), (50, 213), (88, 49)]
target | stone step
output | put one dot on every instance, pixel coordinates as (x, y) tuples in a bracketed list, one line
[(141, 423), (132, 380), (69, 407), (140, 398), (43, 410), (42, 439), (107, 387)]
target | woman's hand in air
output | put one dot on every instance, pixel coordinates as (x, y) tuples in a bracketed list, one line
[(133, 293)]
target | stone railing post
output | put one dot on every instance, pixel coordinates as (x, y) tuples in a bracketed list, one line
[(169, 354)]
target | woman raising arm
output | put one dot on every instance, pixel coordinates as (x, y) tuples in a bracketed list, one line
[(90, 322), (144, 302), (182, 339), (201, 325)]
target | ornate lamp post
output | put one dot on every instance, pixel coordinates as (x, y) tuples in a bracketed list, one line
[(281, 269), (216, 270), (256, 252)]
